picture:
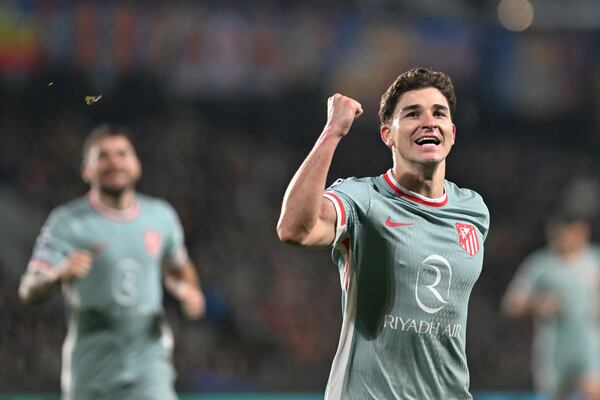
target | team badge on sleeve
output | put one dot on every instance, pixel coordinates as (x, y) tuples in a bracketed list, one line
[(337, 182), (152, 242), (467, 238)]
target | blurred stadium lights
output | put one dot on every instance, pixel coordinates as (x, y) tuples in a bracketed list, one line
[(574, 14), (518, 15), (515, 15), (567, 15)]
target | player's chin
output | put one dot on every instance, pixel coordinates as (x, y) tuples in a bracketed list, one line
[(432, 157), (115, 189), (431, 160)]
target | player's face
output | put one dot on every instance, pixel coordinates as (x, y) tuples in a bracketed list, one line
[(112, 165), (421, 129), (571, 237)]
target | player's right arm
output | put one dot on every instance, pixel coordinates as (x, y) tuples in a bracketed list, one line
[(518, 303), (524, 297), (39, 282), (308, 219)]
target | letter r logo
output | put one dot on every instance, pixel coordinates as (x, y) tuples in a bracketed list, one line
[(430, 280)]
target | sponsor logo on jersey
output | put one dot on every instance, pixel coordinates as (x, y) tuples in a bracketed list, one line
[(432, 294), (396, 322), (393, 224), (434, 278), (152, 241), (467, 238)]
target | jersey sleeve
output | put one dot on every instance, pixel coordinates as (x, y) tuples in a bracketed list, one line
[(595, 251), (486, 221), (52, 245), (476, 208), (351, 199), (175, 251)]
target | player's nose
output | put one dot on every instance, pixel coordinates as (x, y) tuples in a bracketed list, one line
[(114, 159), (428, 121)]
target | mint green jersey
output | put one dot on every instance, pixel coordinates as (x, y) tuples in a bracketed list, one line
[(566, 345), (407, 265), (116, 332)]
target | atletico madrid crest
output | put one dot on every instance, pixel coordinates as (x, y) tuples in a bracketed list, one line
[(152, 241), (467, 238)]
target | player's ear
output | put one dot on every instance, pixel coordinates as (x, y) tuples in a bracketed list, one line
[(453, 134), (386, 135), (85, 172), (138, 168)]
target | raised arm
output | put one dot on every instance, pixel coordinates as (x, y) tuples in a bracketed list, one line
[(308, 219)]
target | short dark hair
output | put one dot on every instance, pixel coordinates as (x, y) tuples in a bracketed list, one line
[(100, 132), (417, 78), (563, 218)]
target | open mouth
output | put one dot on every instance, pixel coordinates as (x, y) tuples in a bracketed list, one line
[(427, 141), (115, 174)]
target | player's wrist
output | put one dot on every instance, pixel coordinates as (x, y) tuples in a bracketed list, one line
[(179, 288), (330, 137), (334, 132), (63, 273)]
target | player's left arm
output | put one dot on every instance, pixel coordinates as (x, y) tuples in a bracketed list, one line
[(183, 283)]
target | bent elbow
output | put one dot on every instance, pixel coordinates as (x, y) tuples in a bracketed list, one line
[(289, 235), (25, 294), (30, 292), (511, 309)]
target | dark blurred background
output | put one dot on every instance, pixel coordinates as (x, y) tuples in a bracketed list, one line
[(226, 98)]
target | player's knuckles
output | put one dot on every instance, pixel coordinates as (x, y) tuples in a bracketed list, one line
[(342, 101)]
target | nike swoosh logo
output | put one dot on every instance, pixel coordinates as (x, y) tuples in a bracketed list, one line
[(393, 224)]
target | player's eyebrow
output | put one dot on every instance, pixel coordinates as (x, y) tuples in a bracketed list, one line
[(411, 107), (414, 107)]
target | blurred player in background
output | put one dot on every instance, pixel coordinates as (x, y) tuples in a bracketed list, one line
[(558, 286), (109, 250), (408, 245)]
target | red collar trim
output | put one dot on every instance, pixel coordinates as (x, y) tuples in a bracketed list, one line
[(398, 189), (116, 215)]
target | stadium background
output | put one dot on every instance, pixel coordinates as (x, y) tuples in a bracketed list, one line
[(225, 100)]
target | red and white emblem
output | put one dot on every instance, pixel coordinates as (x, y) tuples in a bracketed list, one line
[(467, 238), (152, 242)]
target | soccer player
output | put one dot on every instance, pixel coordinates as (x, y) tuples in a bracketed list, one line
[(558, 286), (108, 250), (408, 245)]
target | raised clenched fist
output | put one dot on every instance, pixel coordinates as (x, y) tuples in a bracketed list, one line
[(341, 113)]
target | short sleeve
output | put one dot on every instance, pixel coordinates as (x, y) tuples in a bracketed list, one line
[(175, 250), (52, 245), (351, 199), (595, 251), (486, 221), (527, 278)]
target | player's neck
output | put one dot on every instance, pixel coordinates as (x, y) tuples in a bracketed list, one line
[(122, 201), (426, 181), (570, 255)]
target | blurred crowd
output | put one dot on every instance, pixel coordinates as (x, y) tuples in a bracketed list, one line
[(221, 119)]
